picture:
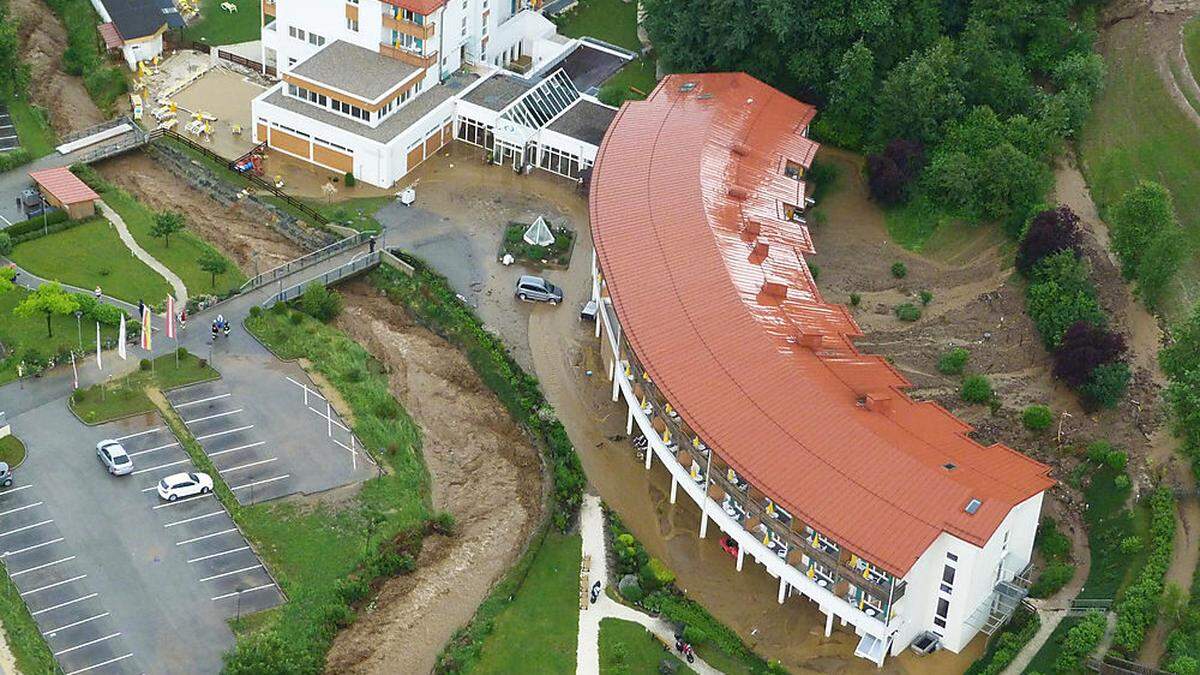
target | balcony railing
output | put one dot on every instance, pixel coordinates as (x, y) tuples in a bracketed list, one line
[(411, 58), (421, 31)]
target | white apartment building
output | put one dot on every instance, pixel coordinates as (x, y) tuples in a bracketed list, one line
[(803, 452), (374, 87)]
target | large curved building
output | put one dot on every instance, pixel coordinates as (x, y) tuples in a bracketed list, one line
[(879, 509)]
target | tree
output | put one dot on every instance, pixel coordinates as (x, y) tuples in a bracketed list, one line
[(6, 245), (1159, 263), (1060, 295), (166, 224), (920, 95), (1136, 218), (214, 264), (1183, 354), (890, 173), (1106, 385), (852, 96), (1085, 346), (49, 299), (7, 274), (320, 303), (1049, 232)]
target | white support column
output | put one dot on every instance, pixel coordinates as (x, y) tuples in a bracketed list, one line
[(829, 624), (599, 310), (674, 488), (629, 420), (741, 556), (616, 383), (612, 367), (783, 590), (703, 518), (649, 453)]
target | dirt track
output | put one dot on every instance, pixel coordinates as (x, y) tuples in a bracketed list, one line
[(229, 228), (483, 470), (43, 41)]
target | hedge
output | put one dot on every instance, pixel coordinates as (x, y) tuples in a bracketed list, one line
[(1138, 608), (1004, 648), (1080, 642), (35, 225), (11, 159)]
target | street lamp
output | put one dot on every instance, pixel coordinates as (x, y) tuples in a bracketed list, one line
[(79, 328), (45, 217)]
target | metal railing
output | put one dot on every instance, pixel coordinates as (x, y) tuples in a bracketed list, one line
[(333, 276), (292, 266), (96, 128), (138, 139)]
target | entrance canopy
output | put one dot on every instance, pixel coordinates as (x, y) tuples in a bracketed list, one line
[(538, 234)]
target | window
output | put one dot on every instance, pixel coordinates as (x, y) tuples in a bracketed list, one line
[(314, 39), (948, 574), (291, 62), (297, 33), (943, 608), (951, 557), (352, 24)]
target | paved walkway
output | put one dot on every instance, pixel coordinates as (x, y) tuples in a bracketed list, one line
[(587, 651), (113, 217)]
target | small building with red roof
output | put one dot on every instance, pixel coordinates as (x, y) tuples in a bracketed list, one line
[(805, 452), (63, 190)]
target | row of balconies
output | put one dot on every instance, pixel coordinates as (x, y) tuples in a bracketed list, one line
[(847, 575)]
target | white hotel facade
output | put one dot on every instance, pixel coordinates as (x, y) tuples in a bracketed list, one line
[(374, 87)]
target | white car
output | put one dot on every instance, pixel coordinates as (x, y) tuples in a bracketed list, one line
[(186, 484), (114, 458)]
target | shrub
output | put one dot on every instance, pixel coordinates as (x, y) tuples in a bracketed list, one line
[(814, 271), (899, 270), (1056, 575), (1103, 452), (6, 244), (1131, 544), (1061, 295), (953, 361), (908, 312), (1106, 386), (694, 635), (144, 364), (1080, 642), (976, 389), (655, 575), (1122, 482), (855, 299), (1037, 417), (1019, 631), (926, 297), (349, 179), (11, 159), (1084, 347), (1138, 607), (1049, 232), (320, 303), (256, 311)]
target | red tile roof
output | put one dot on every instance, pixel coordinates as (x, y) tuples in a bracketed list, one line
[(63, 185), (425, 7), (714, 296), (112, 38)]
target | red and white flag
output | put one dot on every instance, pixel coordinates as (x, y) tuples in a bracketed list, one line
[(74, 370), (99, 363), (146, 328), (121, 338), (170, 317)]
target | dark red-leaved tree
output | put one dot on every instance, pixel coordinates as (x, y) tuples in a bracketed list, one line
[(1085, 346), (1049, 232), (891, 172)]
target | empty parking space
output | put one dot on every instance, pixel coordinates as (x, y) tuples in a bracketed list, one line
[(8, 132)]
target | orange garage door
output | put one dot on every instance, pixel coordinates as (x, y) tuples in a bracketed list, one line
[(332, 158), (415, 156), (289, 143)]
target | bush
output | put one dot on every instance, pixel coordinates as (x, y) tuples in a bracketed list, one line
[(1060, 295), (1037, 417), (349, 180), (1131, 544), (976, 389), (1080, 642), (655, 575), (855, 299), (953, 361), (1083, 348), (899, 270), (11, 159), (144, 364), (1106, 386), (1056, 575), (320, 303), (1049, 232), (6, 244), (1122, 483), (908, 312), (694, 636), (926, 297), (1005, 647), (256, 311), (1138, 607)]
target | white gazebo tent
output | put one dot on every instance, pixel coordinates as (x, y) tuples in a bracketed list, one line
[(538, 234)]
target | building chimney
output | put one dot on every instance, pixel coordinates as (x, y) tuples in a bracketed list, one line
[(740, 149), (813, 341), (750, 230), (774, 290), (759, 252), (738, 192), (878, 402)]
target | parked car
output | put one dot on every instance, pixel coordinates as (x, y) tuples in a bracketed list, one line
[(6, 475), (926, 643), (729, 545), (114, 458), (184, 484), (537, 289)]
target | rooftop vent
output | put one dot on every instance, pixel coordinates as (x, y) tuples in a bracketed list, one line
[(687, 86), (738, 192), (949, 466), (772, 292), (811, 340), (750, 230), (705, 96), (877, 402), (740, 149), (972, 506)]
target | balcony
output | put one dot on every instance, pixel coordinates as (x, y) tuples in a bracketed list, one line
[(420, 31), (268, 9), (408, 57)]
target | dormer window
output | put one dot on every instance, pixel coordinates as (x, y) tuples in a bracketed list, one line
[(793, 170)]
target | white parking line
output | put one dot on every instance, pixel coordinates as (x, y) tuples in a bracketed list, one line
[(27, 527), (260, 482), (247, 466), (30, 548), (226, 574), (240, 447), (328, 418), (161, 447), (213, 417), (75, 623), (102, 663), (160, 466), (181, 501), (16, 489), (218, 555), (57, 583), (152, 487), (140, 433), (64, 604), (205, 536), (248, 590), (222, 433), (304, 386), (19, 508), (86, 644), (43, 566), (202, 400), (352, 451), (194, 518)]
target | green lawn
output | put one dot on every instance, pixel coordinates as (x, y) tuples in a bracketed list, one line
[(1191, 46), (218, 27), (637, 74), (12, 450), (101, 403), (21, 632), (19, 334), (181, 254), (1137, 132), (1108, 522), (91, 255), (1043, 661), (612, 21), (32, 128), (627, 647), (356, 212), (537, 632)]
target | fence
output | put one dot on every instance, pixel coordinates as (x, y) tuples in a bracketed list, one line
[(1116, 665), (333, 276), (138, 138), (243, 61), (291, 266), (95, 129), (1083, 606)]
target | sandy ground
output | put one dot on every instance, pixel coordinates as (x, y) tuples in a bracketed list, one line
[(483, 470), (236, 233), (43, 42), (226, 95), (302, 179)]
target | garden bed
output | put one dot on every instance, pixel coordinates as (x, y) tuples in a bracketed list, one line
[(12, 451), (555, 256), (127, 396)]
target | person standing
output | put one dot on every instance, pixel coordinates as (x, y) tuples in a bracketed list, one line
[(371, 244), (98, 293), (141, 307)]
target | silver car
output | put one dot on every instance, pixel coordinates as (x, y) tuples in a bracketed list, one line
[(537, 289), (114, 458)]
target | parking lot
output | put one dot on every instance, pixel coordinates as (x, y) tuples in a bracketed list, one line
[(8, 133), (266, 450), (117, 579)]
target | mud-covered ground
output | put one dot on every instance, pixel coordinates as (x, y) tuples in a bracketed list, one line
[(43, 41)]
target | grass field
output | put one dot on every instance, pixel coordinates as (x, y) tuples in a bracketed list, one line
[(101, 403), (537, 632), (91, 255), (627, 647), (181, 254), (12, 450), (358, 212), (1136, 132), (32, 128), (218, 27), (1191, 46), (1108, 522), (19, 334), (21, 632)]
